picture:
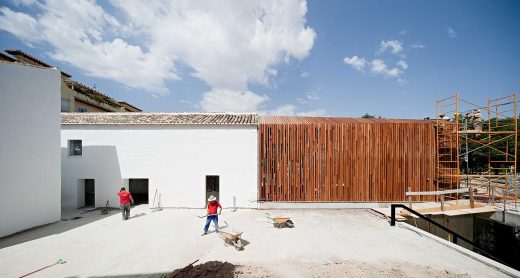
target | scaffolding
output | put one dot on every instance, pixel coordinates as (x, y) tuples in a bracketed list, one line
[(467, 135)]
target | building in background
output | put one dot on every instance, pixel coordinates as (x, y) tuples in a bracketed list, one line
[(75, 96), (177, 158), (29, 147), (326, 159)]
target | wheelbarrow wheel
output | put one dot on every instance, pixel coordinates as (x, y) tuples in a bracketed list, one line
[(238, 244)]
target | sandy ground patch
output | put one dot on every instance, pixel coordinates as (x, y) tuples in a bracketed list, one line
[(324, 243)]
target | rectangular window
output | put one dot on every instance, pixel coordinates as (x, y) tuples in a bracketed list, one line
[(81, 109), (75, 148), (65, 105)]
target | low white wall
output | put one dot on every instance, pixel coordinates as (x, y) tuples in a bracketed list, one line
[(175, 159), (29, 147)]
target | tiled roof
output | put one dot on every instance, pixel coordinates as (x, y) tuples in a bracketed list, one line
[(86, 90), (16, 52), (331, 120), (134, 118), (5, 57), (128, 105)]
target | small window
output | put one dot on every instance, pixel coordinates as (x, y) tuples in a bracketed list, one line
[(75, 148), (81, 109), (65, 105)]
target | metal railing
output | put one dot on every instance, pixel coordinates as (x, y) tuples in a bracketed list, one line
[(455, 235)]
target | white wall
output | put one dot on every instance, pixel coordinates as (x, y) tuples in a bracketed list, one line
[(29, 147), (175, 159)]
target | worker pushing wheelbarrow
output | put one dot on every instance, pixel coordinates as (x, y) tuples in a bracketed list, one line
[(212, 214), (281, 222), (229, 237)]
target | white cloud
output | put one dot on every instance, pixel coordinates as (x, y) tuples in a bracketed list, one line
[(403, 33), (312, 113), (417, 46), (451, 32), (290, 110), (394, 46), (355, 62), (402, 64), (312, 95), (24, 2), (21, 25), (283, 110), (305, 74), (219, 100), (376, 66), (379, 67), (227, 45)]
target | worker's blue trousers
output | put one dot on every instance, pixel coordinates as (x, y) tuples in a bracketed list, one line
[(210, 218)]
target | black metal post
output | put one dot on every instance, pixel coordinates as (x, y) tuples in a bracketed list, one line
[(392, 212)]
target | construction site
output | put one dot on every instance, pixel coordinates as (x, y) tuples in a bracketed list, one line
[(267, 138), (334, 197)]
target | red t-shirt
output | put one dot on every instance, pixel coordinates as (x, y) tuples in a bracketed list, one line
[(124, 197), (212, 207)]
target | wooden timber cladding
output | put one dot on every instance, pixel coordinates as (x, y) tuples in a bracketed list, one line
[(319, 159)]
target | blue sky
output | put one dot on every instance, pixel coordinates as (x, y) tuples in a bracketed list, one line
[(326, 58)]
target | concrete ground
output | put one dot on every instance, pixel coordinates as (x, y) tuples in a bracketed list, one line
[(324, 243)]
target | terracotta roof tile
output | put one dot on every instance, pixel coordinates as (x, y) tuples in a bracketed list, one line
[(15, 52), (330, 120), (133, 118)]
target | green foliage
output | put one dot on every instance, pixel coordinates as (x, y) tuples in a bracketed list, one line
[(479, 155), (368, 116)]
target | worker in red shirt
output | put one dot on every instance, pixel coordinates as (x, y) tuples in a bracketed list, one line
[(124, 201), (212, 208)]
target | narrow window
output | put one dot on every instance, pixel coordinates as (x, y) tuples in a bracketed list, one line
[(65, 105), (75, 148), (81, 109)]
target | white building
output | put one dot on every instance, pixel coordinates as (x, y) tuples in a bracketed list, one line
[(183, 157), (29, 147)]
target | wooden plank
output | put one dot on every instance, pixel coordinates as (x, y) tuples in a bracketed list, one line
[(425, 193), (339, 159)]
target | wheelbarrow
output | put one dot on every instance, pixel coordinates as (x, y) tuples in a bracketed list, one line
[(232, 238), (281, 222)]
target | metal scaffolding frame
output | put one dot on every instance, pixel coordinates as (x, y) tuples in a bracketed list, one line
[(461, 129)]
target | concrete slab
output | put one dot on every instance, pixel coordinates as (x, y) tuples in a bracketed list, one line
[(324, 243), (388, 213)]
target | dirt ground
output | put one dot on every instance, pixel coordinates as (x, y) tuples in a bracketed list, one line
[(324, 243), (337, 269), (207, 269)]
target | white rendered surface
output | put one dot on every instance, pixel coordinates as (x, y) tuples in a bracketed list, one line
[(175, 160), (29, 147), (324, 243)]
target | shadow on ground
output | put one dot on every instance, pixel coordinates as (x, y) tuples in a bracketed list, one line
[(70, 219), (207, 269)]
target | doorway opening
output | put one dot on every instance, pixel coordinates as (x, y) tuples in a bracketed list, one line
[(139, 190), (86, 193), (212, 187)]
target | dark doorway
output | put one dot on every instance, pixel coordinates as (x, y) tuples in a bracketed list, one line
[(139, 190), (90, 193), (212, 187)]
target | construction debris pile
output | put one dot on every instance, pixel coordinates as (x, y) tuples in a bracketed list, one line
[(207, 269)]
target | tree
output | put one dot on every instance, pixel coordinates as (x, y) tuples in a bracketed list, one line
[(368, 116), (478, 157)]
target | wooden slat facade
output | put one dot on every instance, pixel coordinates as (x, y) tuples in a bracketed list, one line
[(306, 159)]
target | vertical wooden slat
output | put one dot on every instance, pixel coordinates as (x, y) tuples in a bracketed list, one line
[(346, 160)]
